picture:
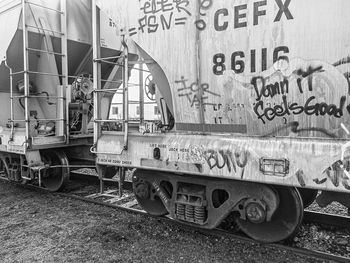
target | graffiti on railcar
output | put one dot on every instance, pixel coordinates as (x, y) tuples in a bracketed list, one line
[(204, 5), (165, 15), (196, 93), (288, 93), (160, 16), (337, 174), (234, 161), (264, 89)]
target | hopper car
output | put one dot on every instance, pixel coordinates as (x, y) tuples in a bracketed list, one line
[(253, 98)]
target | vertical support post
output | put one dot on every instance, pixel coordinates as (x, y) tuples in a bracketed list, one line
[(198, 69), (142, 96), (12, 113), (101, 170), (97, 83), (126, 93), (25, 70), (121, 180), (97, 70), (64, 51)]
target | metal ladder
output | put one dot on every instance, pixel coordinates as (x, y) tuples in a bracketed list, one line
[(98, 90), (27, 72), (123, 62)]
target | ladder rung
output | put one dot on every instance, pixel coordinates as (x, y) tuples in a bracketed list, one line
[(36, 120), (112, 81), (110, 63), (50, 119), (46, 73), (106, 58), (133, 85), (132, 67), (17, 73), (145, 103), (46, 29), (17, 120), (38, 96), (112, 121), (45, 51), (134, 121), (45, 7), (141, 62), (120, 121), (40, 73), (106, 90)]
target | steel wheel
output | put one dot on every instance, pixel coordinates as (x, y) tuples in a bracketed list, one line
[(308, 196), (54, 178), (284, 223), (147, 198)]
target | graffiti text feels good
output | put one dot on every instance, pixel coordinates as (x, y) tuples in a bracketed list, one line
[(309, 108), (264, 89)]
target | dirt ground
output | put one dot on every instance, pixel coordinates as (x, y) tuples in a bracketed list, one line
[(40, 227)]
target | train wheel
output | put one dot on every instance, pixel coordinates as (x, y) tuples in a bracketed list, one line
[(284, 223), (147, 198), (54, 177), (308, 196)]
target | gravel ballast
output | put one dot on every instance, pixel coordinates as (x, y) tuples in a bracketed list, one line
[(41, 227)]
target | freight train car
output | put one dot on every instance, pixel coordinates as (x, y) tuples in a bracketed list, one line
[(254, 97), (46, 88)]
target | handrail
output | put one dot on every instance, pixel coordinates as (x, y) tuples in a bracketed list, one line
[(126, 93), (12, 114)]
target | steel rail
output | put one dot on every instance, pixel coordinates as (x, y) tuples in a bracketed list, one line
[(327, 219), (211, 232)]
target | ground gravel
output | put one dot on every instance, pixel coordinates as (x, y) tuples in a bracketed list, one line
[(40, 227), (329, 239)]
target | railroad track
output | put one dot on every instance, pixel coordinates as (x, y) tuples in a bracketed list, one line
[(126, 203), (326, 219)]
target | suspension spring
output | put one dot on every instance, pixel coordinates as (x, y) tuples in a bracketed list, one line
[(180, 211), (199, 214), (190, 213)]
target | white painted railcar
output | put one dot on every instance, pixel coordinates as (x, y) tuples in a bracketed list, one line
[(255, 103)]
